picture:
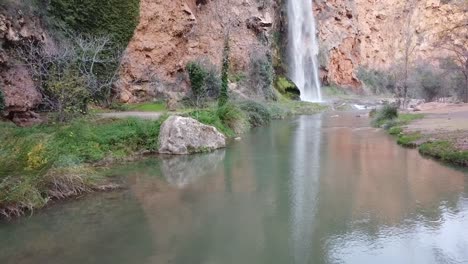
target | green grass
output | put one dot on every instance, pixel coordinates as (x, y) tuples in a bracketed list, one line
[(404, 119), (58, 160), (441, 150), (50, 161), (148, 107), (408, 140), (445, 151)]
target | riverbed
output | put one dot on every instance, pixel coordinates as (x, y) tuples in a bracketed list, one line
[(326, 188)]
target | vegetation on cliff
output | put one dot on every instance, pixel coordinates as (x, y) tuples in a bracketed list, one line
[(115, 18)]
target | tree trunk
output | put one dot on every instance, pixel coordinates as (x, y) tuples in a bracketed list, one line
[(466, 89)]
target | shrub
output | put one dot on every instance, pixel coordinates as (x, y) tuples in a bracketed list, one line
[(197, 77), (233, 117), (377, 81), (262, 75), (204, 81), (224, 93), (67, 89), (385, 114), (258, 114), (431, 85)]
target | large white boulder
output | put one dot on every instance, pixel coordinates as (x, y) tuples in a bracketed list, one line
[(183, 135)]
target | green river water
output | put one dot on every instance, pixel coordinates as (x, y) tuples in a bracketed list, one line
[(313, 189)]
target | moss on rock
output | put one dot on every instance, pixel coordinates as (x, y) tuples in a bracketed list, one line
[(287, 88), (118, 18)]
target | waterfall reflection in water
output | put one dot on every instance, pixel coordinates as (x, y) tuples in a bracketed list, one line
[(305, 184)]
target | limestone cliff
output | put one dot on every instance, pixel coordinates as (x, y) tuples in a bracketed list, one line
[(16, 82), (373, 33), (172, 33)]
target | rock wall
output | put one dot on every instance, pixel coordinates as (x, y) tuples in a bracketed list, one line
[(172, 33), (373, 33), (16, 82)]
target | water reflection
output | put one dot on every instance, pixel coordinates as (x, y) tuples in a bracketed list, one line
[(180, 171), (311, 190), (305, 175)]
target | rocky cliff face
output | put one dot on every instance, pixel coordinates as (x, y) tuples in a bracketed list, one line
[(172, 33), (373, 33), (21, 96)]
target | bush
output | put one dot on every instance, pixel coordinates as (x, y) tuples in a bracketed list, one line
[(377, 81), (258, 114), (67, 88), (224, 93), (385, 114), (431, 84), (204, 81), (262, 75), (233, 117)]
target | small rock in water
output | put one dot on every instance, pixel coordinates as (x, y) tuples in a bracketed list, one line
[(238, 139)]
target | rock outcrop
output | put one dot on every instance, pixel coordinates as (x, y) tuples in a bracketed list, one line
[(172, 33), (370, 33), (16, 82), (183, 135)]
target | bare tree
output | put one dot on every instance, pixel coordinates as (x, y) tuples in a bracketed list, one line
[(454, 39), (409, 45), (71, 73)]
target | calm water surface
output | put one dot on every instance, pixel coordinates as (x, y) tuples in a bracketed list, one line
[(314, 189)]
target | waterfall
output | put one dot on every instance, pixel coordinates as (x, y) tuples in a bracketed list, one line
[(303, 50)]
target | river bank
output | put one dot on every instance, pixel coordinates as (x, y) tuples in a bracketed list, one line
[(437, 130), (57, 161)]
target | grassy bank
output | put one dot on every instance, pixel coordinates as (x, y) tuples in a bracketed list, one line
[(55, 161), (442, 147)]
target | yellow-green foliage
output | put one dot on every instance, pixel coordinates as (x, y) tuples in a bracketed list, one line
[(283, 84), (36, 157), (287, 88)]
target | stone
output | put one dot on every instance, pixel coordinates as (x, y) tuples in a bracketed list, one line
[(16, 81), (184, 135), (25, 119)]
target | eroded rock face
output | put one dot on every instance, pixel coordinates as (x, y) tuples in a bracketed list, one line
[(183, 135), (372, 34), (172, 33), (16, 82)]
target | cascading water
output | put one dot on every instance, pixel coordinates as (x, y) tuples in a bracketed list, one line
[(303, 50)]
